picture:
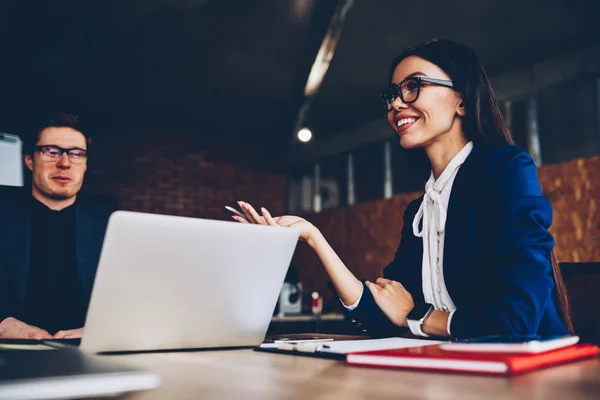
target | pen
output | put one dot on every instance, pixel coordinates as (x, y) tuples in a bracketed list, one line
[(297, 341), (304, 348)]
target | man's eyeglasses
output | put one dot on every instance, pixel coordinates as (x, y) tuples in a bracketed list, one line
[(54, 153), (408, 90)]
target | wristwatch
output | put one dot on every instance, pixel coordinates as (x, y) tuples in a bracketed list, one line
[(417, 316)]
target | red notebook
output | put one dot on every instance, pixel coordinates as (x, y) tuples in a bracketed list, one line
[(434, 358)]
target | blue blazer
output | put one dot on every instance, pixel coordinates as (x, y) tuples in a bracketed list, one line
[(496, 252), (91, 218)]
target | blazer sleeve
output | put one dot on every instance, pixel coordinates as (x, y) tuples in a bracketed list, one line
[(408, 256), (517, 283)]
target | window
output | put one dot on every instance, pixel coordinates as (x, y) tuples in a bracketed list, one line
[(368, 172), (334, 181), (300, 190), (568, 120)]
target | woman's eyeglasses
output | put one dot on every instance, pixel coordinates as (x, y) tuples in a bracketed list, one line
[(408, 90), (54, 153)]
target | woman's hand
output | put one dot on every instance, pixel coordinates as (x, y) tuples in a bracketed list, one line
[(393, 299), (307, 230), (345, 283)]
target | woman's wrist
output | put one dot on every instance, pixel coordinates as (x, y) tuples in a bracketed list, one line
[(314, 238), (436, 324)]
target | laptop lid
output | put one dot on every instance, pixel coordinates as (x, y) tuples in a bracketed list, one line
[(166, 282)]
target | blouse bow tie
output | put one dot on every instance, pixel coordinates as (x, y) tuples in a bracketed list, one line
[(432, 200)]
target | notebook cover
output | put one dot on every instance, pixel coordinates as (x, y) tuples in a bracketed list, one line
[(470, 361)]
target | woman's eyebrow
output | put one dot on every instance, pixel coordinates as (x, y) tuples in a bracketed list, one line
[(417, 73)]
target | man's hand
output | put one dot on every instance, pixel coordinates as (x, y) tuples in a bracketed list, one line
[(70, 334), (393, 299), (12, 328)]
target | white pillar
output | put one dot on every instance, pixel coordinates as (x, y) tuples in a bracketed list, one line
[(533, 136), (317, 189), (387, 170), (351, 188)]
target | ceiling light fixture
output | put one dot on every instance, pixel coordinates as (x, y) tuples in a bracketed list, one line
[(304, 135)]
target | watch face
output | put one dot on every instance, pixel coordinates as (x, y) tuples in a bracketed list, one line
[(419, 311)]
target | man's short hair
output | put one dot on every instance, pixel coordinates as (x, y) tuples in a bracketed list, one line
[(56, 120)]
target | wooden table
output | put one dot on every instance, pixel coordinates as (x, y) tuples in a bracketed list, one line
[(246, 374)]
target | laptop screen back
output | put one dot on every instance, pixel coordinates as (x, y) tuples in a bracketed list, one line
[(166, 282)]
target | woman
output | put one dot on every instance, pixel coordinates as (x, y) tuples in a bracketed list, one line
[(476, 256)]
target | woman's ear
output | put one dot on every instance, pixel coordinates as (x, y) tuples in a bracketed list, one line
[(460, 108)]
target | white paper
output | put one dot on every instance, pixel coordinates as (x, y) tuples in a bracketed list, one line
[(11, 160), (351, 346)]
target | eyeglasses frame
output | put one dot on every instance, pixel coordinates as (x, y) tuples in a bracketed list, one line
[(62, 150), (419, 79)]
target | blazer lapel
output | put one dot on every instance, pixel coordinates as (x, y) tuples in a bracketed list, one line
[(23, 235), (460, 223), (15, 234), (83, 237)]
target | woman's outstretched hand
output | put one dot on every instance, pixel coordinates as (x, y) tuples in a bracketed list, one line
[(345, 283), (307, 230)]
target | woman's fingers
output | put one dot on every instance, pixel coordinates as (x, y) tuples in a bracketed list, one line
[(251, 213), (246, 212), (268, 217), (254, 217), (373, 288), (382, 281)]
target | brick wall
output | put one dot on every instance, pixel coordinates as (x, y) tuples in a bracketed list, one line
[(367, 235), (182, 174), (574, 190)]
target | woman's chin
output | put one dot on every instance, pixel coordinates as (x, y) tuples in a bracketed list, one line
[(408, 141)]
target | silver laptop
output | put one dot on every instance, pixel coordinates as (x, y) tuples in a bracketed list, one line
[(166, 282)]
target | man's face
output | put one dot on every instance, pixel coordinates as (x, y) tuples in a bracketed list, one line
[(57, 178)]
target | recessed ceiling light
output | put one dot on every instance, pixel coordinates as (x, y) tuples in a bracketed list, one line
[(304, 135)]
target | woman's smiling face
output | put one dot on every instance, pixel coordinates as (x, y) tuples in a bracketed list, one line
[(436, 111)]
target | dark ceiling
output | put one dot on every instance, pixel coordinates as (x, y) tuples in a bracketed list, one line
[(236, 69)]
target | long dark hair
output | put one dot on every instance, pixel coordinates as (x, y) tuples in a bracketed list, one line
[(483, 123)]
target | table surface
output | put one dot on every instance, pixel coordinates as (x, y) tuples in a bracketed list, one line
[(232, 374)]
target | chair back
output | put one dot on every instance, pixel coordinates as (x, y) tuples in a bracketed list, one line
[(582, 281)]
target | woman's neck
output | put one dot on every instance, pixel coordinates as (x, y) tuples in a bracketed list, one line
[(442, 151)]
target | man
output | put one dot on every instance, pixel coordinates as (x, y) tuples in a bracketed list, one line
[(50, 237)]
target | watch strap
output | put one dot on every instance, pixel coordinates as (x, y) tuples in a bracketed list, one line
[(415, 328)]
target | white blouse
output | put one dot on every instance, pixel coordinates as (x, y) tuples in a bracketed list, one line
[(432, 212)]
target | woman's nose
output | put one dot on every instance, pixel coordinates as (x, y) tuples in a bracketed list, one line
[(397, 104)]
